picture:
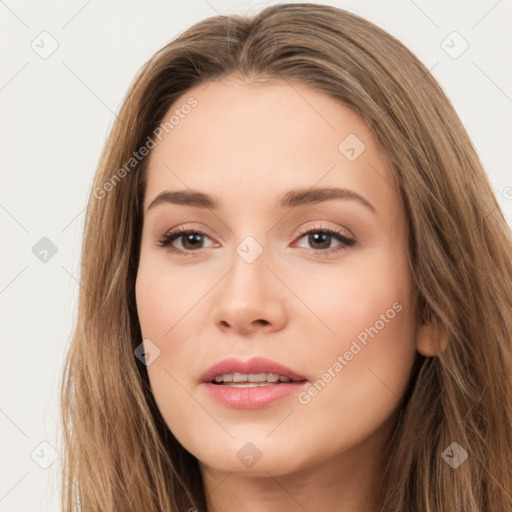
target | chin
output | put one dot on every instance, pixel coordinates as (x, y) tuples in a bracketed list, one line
[(271, 465), (258, 457)]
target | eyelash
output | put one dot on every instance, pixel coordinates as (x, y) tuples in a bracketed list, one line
[(167, 239)]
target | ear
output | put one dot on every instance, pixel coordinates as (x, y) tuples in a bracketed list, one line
[(432, 339)]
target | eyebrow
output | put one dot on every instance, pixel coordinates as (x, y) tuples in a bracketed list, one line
[(292, 199)]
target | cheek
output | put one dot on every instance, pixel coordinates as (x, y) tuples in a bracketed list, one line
[(168, 306), (374, 336), (162, 297), (361, 370)]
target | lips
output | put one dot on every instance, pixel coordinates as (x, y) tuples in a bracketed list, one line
[(252, 384), (254, 366)]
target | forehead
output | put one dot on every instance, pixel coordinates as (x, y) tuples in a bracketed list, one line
[(262, 139), (236, 117)]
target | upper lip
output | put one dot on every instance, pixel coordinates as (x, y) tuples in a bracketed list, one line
[(253, 365)]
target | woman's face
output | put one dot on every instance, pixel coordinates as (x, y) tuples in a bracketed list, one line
[(283, 269)]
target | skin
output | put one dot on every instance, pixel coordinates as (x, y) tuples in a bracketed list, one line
[(248, 144)]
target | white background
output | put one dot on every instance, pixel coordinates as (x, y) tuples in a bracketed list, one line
[(56, 114)]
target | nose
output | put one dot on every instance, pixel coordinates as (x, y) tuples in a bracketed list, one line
[(250, 299)]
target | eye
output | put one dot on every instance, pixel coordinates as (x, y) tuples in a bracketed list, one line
[(320, 239), (190, 239)]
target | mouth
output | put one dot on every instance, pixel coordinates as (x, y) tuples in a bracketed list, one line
[(257, 370), (251, 384), (252, 380)]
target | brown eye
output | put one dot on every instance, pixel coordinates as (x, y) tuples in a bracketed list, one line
[(190, 240), (320, 239)]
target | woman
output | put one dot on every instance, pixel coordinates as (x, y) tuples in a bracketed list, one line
[(296, 284)]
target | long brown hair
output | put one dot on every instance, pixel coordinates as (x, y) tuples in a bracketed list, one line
[(118, 452)]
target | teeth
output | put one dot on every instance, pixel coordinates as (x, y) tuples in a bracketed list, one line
[(247, 384), (251, 379)]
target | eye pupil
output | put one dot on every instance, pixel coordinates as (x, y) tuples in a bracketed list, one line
[(193, 238), (319, 238)]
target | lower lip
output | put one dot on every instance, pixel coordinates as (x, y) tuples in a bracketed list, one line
[(254, 397)]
